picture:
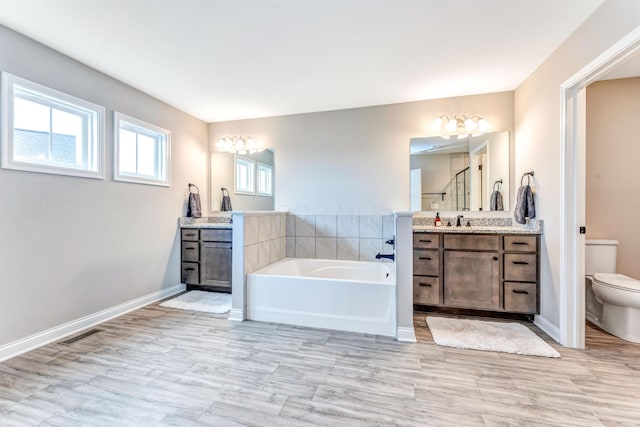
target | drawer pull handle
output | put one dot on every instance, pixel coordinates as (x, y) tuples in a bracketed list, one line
[(520, 262), (189, 249), (425, 241), (190, 235), (191, 269), (424, 257), (495, 258), (517, 291), (520, 243), (428, 285)]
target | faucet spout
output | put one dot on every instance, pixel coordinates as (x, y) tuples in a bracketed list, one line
[(392, 257), (458, 219)]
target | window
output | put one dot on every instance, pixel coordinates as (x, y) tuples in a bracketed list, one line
[(265, 180), (245, 172), (141, 151), (47, 131)]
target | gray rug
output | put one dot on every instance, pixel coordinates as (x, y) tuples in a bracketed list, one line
[(489, 336), (210, 302)]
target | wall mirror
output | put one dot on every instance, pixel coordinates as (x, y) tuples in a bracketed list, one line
[(460, 173), (250, 179)]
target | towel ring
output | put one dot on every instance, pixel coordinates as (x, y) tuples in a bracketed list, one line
[(193, 185), (498, 182), (528, 175)]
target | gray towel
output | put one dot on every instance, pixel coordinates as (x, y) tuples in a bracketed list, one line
[(495, 204), (525, 206)]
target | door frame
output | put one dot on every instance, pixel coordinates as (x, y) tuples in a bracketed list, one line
[(573, 160)]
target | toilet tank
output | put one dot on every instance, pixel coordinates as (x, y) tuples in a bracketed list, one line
[(600, 256)]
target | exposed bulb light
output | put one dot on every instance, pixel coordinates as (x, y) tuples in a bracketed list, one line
[(469, 124), (237, 145)]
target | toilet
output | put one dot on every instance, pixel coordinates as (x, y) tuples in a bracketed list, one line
[(612, 300)]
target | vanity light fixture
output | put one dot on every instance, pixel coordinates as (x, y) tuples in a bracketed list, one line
[(237, 145), (467, 125)]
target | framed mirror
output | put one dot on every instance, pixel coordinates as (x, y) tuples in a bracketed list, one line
[(471, 173), (249, 178)]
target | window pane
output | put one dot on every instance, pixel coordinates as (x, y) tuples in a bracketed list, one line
[(146, 155), (127, 151), (29, 115), (67, 142), (51, 132)]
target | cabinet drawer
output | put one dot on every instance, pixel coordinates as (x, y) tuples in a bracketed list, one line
[(520, 297), (520, 267), (190, 273), (190, 251), (471, 242), (426, 263), (426, 290), (426, 241), (520, 243), (215, 235), (190, 234)]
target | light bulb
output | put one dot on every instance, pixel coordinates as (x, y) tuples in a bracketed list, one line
[(220, 144), (484, 125), (251, 144), (470, 125), (452, 125), (437, 123)]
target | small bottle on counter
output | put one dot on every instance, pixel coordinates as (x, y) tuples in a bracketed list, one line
[(438, 221)]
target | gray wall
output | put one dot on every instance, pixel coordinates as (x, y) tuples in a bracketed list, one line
[(69, 246), (354, 162)]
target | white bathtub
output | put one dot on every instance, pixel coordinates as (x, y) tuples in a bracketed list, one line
[(357, 296)]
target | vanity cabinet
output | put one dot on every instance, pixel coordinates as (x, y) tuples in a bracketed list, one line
[(206, 259), (489, 272)]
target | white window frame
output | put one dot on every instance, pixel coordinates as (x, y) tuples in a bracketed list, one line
[(59, 100), (270, 169), (151, 130), (250, 179)]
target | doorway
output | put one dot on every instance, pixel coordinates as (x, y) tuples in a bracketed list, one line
[(573, 142)]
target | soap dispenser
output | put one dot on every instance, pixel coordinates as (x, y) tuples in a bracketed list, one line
[(438, 221)]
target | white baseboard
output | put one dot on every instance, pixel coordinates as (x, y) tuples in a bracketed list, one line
[(547, 327), (236, 314), (406, 334), (31, 342)]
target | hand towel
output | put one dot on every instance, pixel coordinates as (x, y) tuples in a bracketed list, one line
[(525, 206), (194, 209), (496, 204), (225, 204)]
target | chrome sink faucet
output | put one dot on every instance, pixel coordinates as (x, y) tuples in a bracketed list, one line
[(458, 219)]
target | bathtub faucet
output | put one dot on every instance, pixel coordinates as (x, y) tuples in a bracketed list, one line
[(392, 257)]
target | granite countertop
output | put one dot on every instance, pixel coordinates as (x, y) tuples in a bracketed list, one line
[(479, 226), (222, 221)]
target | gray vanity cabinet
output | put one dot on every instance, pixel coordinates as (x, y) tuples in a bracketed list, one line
[(472, 280), (426, 269), (206, 259), (489, 272)]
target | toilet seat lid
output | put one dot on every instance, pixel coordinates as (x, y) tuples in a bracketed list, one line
[(619, 281)]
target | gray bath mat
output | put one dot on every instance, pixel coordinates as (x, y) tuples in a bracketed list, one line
[(210, 302), (489, 336)]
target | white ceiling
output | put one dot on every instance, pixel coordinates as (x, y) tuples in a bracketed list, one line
[(233, 59)]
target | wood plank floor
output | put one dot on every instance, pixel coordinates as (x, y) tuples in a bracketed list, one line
[(166, 367)]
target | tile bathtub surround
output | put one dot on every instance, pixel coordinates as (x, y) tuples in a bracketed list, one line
[(264, 239), (346, 237)]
